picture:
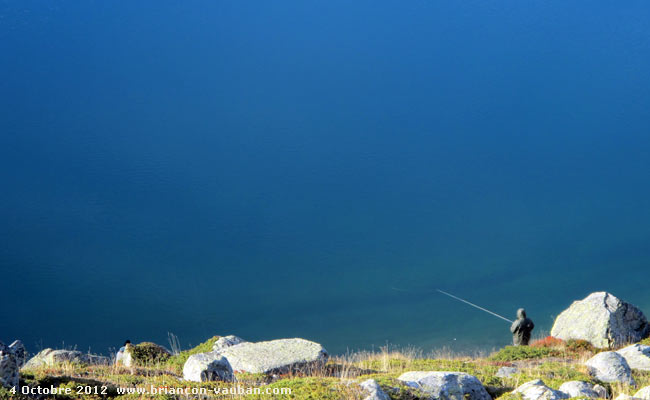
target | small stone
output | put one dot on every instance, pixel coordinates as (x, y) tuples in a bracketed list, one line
[(579, 389), (610, 366), (637, 356), (506, 372), (373, 391), (446, 385)]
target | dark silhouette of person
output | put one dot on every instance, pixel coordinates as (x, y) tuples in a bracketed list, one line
[(521, 329)]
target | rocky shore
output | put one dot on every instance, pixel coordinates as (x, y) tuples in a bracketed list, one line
[(598, 348)]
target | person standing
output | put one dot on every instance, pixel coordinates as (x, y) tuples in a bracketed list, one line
[(521, 329)]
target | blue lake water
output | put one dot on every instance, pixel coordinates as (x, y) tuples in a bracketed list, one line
[(273, 169)]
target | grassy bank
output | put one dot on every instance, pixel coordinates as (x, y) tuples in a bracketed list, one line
[(555, 362)]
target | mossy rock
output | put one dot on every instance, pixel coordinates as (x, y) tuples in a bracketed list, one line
[(145, 354)]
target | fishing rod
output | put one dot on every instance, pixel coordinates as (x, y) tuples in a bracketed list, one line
[(464, 301), (474, 305)]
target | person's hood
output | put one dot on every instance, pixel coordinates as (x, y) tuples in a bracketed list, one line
[(521, 313)]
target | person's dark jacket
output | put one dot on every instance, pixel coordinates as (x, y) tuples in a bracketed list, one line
[(521, 329)]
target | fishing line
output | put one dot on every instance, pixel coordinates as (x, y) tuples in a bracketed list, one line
[(459, 299), (474, 305)]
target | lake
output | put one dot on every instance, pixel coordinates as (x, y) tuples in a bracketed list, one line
[(275, 170)]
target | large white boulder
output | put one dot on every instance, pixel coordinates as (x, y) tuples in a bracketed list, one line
[(275, 356), (637, 356), (603, 320), (610, 366), (446, 385), (204, 367), (372, 390), (537, 390)]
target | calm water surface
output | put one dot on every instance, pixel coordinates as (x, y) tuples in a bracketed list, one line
[(272, 169)]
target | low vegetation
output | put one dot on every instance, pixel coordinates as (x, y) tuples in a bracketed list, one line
[(176, 362), (147, 353), (552, 360), (513, 353)]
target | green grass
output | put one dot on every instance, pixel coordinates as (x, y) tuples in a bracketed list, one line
[(339, 379), (553, 374), (513, 353), (176, 362), (312, 388), (642, 378)]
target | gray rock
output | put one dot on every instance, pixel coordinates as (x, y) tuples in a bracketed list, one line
[(637, 356), (275, 356), (19, 351), (205, 367), (49, 357), (373, 391), (580, 389), (601, 391), (537, 390), (610, 366), (603, 320), (506, 372), (643, 393), (446, 385), (227, 341), (9, 371)]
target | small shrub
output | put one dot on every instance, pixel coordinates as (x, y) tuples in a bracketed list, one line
[(646, 341), (579, 346), (147, 353), (548, 341), (511, 353)]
